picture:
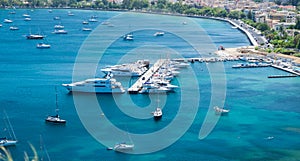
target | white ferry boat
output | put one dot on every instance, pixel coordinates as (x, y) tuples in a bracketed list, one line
[(96, 85)]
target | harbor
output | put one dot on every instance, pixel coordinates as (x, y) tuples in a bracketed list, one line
[(29, 76)]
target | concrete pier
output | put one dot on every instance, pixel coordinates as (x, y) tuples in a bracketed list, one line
[(286, 69), (136, 87)]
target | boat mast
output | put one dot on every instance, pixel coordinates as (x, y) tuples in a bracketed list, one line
[(56, 103), (11, 131)]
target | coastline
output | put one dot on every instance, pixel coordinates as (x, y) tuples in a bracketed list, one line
[(228, 51), (250, 50)]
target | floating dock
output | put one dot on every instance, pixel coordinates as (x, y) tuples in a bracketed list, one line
[(136, 87), (286, 69), (281, 76)]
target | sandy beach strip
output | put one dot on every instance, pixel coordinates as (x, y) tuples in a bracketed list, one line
[(250, 50)]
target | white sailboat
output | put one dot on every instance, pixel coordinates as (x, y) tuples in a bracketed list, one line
[(157, 114), (55, 118), (4, 141)]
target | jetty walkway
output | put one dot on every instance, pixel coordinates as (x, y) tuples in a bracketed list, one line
[(136, 87)]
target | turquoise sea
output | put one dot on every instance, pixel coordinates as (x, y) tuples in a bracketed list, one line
[(263, 123)]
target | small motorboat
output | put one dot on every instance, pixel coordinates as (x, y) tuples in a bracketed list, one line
[(43, 46), (14, 28), (159, 34), (123, 147), (157, 114), (220, 111)]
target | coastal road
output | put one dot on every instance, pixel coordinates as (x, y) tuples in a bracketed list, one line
[(254, 32)]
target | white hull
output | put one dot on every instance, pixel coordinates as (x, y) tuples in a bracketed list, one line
[(122, 73), (94, 89), (96, 85), (123, 147), (8, 142)]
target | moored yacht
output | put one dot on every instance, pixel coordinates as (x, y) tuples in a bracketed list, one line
[(135, 69), (34, 36), (55, 119), (96, 85)]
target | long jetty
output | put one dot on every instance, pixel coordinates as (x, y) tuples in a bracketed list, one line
[(286, 69), (136, 87)]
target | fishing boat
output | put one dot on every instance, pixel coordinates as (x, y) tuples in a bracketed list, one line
[(43, 45), (220, 111), (4, 141), (55, 118)]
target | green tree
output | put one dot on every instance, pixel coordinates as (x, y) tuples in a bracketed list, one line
[(296, 39), (297, 26), (262, 27), (234, 15), (250, 15), (161, 4)]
